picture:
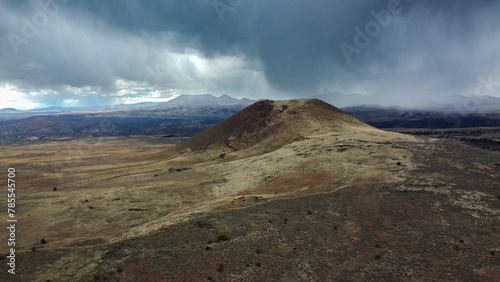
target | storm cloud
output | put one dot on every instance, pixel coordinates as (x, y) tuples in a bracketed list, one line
[(105, 52)]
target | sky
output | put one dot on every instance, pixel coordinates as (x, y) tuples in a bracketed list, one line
[(97, 53)]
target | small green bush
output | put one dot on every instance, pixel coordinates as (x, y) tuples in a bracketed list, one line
[(377, 245), (257, 264), (222, 237), (220, 268), (208, 248), (377, 256), (43, 241), (309, 212)]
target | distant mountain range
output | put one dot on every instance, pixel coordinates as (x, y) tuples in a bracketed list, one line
[(204, 99), (180, 101), (8, 111), (394, 117), (185, 115), (416, 102)]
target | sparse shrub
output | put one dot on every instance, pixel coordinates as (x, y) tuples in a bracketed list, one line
[(33, 249), (257, 251), (220, 268), (208, 248), (492, 253), (209, 278), (210, 242), (257, 264), (43, 241), (335, 227), (119, 270), (270, 221), (456, 247), (54, 189), (247, 265), (377, 245), (377, 256), (222, 237), (2, 257), (498, 197), (461, 241), (398, 163), (309, 212), (96, 276)]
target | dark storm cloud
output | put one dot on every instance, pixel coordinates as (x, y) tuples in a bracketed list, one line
[(296, 41), (290, 47)]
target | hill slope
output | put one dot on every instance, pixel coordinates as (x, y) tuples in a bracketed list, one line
[(272, 124)]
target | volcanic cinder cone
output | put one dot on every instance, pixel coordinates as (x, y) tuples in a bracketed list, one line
[(269, 125)]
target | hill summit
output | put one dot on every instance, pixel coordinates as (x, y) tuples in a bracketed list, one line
[(272, 124)]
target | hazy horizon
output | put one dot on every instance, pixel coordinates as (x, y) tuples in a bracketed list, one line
[(370, 101)]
